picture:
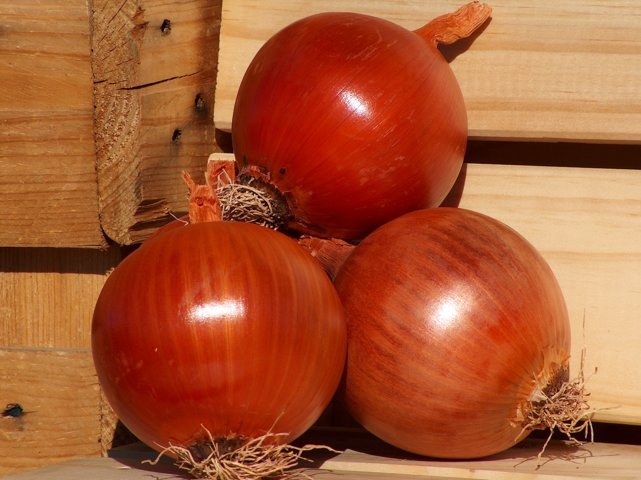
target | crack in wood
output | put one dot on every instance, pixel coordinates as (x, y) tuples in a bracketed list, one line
[(158, 82)]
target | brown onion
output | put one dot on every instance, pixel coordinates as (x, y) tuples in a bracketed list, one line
[(458, 336), (214, 334), (349, 120)]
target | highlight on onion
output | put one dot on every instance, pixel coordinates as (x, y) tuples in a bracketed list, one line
[(345, 121), (218, 343), (458, 337)]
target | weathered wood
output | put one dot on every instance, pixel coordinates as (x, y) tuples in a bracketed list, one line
[(565, 70), (154, 68), (47, 296), (48, 191), (59, 395)]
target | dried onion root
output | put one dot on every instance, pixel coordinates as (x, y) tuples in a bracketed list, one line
[(562, 406), (246, 198), (233, 458), (244, 203)]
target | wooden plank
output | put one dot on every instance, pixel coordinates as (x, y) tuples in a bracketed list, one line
[(559, 462), (586, 223), (154, 70), (47, 296), (550, 70), (47, 174), (117, 469), (357, 462), (58, 391)]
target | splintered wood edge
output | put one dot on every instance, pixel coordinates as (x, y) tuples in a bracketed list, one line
[(154, 91), (117, 31)]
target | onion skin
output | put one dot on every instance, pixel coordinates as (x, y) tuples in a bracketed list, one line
[(224, 325), (455, 322), (354, 119)]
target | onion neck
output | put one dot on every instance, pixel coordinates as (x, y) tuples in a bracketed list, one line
[(454, 26), (330, 252), (203, 202)]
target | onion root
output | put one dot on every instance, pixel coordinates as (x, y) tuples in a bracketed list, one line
[(254, 204), (248, 197), (236, 458), (561, 406)]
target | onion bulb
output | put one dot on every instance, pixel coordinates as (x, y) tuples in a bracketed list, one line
[(347, 121), (458, 336), (216, 335)]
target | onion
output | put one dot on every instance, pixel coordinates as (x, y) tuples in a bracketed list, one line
[(458, 337), (349, 121), (216, 335)]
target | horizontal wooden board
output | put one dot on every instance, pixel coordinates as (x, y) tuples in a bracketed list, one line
[(587, 224), (60, 398), (560, 462), (549, 70), (48, 187), (116, 469)]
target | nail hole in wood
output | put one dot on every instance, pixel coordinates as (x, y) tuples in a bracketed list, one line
[(165, 27), (14, 410), (176, 135), (199, 103)]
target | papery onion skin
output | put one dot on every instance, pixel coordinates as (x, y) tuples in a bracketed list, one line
[(355, 119), (454, 321), (224, 325)]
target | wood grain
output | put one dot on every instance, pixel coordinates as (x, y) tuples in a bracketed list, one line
[(48, 191), (549, 70), (132, 469), (154, 67), (47, 296), (559, 462), (59, 393)]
